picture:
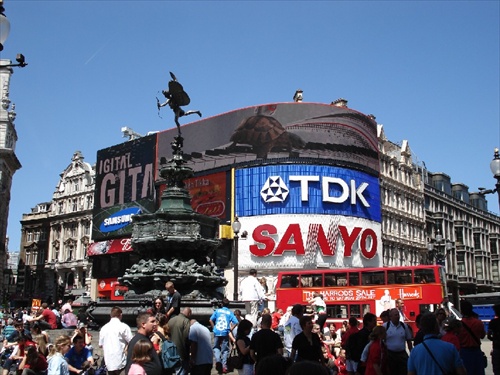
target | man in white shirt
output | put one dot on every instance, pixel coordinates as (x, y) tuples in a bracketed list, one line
[(251, 293), (113, 339), (398, 337), (292, 328)]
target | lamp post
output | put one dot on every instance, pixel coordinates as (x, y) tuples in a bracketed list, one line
[(236, 225), (438, 248)]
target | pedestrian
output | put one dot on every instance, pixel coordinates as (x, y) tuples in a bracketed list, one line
[(357, 342), (222, 322), (140, 356), (265, 342), (179, 330), (307, 345), (494, 336), (201, 358), (33, 362), (400, 306), (292, 328), (113, 339), (376, 363), (434, 356), (243, 347), (452, 328), (470, 340), (158, 307), (398, 338), (173, 300), (251, 293), (146, 325), (353, 328), (57, 364)]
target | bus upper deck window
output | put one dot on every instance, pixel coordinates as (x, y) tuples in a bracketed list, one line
[(289, 281), (354, 278), (424, 276), (373, 278)]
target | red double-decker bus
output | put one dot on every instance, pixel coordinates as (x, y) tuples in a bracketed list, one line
[(356, 291)]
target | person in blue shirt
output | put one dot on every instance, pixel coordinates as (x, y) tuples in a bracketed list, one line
[(434, 356), (78, 356), (222, 321)]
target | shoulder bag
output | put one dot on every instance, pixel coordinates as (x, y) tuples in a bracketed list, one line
[(476, 339), (435, 360)]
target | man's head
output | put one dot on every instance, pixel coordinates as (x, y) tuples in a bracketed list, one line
[(399, 304), (394, 316), (169, 286), (306, 322), (253, 272), (44, 306), (187, 312), (225, 302), (297, 310), (78, 343), (369, 321), (429, 324), (146, 323), (116, 312), (266, 321), (353, 322)]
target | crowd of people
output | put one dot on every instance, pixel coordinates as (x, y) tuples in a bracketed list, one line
[(27, 347), (297, 341)]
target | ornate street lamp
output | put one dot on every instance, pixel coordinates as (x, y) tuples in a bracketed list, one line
[(495, 169), (4, 34), (236, 225), (438, 248)]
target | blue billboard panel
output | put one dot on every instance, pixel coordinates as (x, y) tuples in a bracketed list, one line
[(307, 189)]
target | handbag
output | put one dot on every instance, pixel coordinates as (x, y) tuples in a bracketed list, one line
[(476, 339), (235, 360)]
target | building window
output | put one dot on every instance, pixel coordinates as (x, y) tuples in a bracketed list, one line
[(493, 246), (86, 227), (89, 202), (479, 268), (477, 241), (75, 205), (29, 236), (76, 185), (61, 207), (459, 235)]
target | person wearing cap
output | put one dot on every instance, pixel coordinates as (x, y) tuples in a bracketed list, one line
[(82, 331)]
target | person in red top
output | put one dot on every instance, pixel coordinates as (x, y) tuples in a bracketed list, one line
[(376, 363), (353, 328), (470, 340), (47, 319), (340, 363), (276, 319), (33, 360), (452, 327)]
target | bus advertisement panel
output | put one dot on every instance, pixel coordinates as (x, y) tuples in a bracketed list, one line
[(354, 292)]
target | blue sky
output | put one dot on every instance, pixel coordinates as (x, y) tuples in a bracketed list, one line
[(428, 71)]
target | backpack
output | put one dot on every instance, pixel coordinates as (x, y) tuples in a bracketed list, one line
[(169, 356)]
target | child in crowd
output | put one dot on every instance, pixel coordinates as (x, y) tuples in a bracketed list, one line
[(140, 355)]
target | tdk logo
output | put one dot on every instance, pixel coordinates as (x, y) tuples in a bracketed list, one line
[(333, 189), (274, 190)]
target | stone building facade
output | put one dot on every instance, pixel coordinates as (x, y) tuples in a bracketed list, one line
[(56, 235)]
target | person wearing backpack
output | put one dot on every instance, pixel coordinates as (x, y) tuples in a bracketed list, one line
[(357, 342), (398, 337)]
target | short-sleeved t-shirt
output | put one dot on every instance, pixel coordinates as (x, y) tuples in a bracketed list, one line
[(50, 318), (76, 359), (265, 343), (174, 301)]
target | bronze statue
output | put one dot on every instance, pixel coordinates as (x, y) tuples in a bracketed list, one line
[(176, 98)]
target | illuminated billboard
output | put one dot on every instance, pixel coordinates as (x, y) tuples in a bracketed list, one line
[(309, 241), (306, 189), (125, 186), (303, 132)]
